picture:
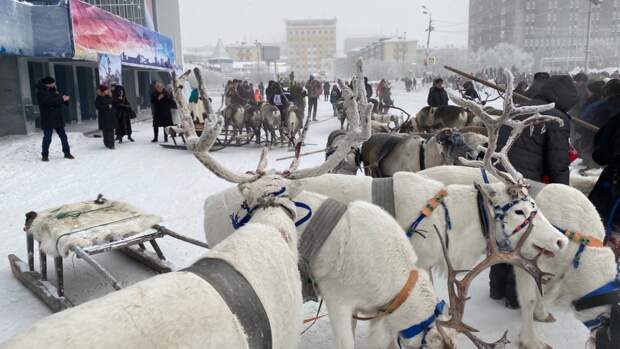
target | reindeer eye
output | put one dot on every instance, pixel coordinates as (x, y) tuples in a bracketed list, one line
[(520, 212)]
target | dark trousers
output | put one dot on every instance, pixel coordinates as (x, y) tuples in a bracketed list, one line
[(503, 283), (326, 96), (312, 106), (47, 140), (156, 134), (108, 138)]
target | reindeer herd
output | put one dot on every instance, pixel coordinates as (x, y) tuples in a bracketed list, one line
[(366, 246)]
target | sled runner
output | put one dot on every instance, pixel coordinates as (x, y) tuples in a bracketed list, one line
[(86, 229)]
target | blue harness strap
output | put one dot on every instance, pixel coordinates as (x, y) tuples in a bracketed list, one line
[(308, 215), (421, 327), (238, 222), (485, 177)]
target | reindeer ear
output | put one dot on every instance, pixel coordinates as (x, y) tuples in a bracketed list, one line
[(293, 188)]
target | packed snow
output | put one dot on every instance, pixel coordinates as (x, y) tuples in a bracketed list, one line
[(173, 184)]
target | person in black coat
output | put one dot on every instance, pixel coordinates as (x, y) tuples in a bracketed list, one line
[(470, 91), (50, 106), (437, 95), (106, 115), (538, 156), (162, 104), (607, 190), (124, 114)]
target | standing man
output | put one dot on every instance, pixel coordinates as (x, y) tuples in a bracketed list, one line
[(437, 95), (105, 104), (162, 104), (326, 86), (315, 90), (50, 106)]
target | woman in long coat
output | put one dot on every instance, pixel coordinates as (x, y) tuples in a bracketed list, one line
[(124, 114), (162, 103), (106, 115)]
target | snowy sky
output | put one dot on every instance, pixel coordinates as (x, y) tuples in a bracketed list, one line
[(204, 22)]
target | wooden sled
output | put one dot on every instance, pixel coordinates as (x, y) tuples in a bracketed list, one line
[(135, 247)]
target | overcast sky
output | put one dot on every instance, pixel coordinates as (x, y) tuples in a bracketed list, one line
[(206, 21)]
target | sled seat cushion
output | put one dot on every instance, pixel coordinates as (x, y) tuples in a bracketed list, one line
[(87, 224)]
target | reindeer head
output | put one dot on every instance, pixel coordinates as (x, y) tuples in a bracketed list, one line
[(268, 188), (513, 208), (455, 145)]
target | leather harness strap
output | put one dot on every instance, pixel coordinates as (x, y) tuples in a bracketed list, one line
[(240, 297), (383, 194), (400, 298), (314, 236)]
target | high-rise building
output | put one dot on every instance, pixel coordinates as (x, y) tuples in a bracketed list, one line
[(311, 46), (553, 31)]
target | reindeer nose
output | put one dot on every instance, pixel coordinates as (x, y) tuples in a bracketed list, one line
[(561, 243)]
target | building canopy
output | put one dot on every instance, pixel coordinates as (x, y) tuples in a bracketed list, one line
[(79, 31)]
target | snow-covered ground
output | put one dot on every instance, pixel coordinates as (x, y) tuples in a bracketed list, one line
[(157, 180)]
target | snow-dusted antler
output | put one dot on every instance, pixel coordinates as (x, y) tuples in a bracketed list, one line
[(212, 128), (493, 125), (359, 131)]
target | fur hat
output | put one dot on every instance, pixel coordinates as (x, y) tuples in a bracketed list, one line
[(580, 77), (561, 90), (102, 88), (612, 88), (597, 87), (48, 80)]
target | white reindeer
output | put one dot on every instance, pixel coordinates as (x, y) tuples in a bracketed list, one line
[(575, 274), (365, 264), (459, 212)]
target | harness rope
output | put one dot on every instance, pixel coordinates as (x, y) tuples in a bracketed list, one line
[(583, 241), (428, 210)]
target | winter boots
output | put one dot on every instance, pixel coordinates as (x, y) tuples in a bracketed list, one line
[(503, 285), (46, 158)]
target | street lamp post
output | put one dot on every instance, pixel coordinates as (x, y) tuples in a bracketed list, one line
[(589, 33), (430, 28)]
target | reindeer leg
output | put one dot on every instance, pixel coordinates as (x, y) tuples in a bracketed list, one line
[(527, 290), (379, 336), (540, 313), (340, 320)]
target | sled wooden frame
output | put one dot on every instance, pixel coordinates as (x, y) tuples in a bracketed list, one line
[(54, 295)]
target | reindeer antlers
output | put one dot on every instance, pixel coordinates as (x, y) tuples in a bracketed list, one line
[(458, 289), (493, 125), (360, 129)]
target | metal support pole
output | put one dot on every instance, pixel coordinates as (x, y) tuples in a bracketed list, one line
[(588, 36), (30, 250), (93, 263), (43, 264), (60, 276)]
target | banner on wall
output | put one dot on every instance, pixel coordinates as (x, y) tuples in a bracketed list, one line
[(97, 31), (32, 30), (110, 69)]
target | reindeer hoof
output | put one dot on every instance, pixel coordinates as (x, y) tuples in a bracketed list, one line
[(548, 319)]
